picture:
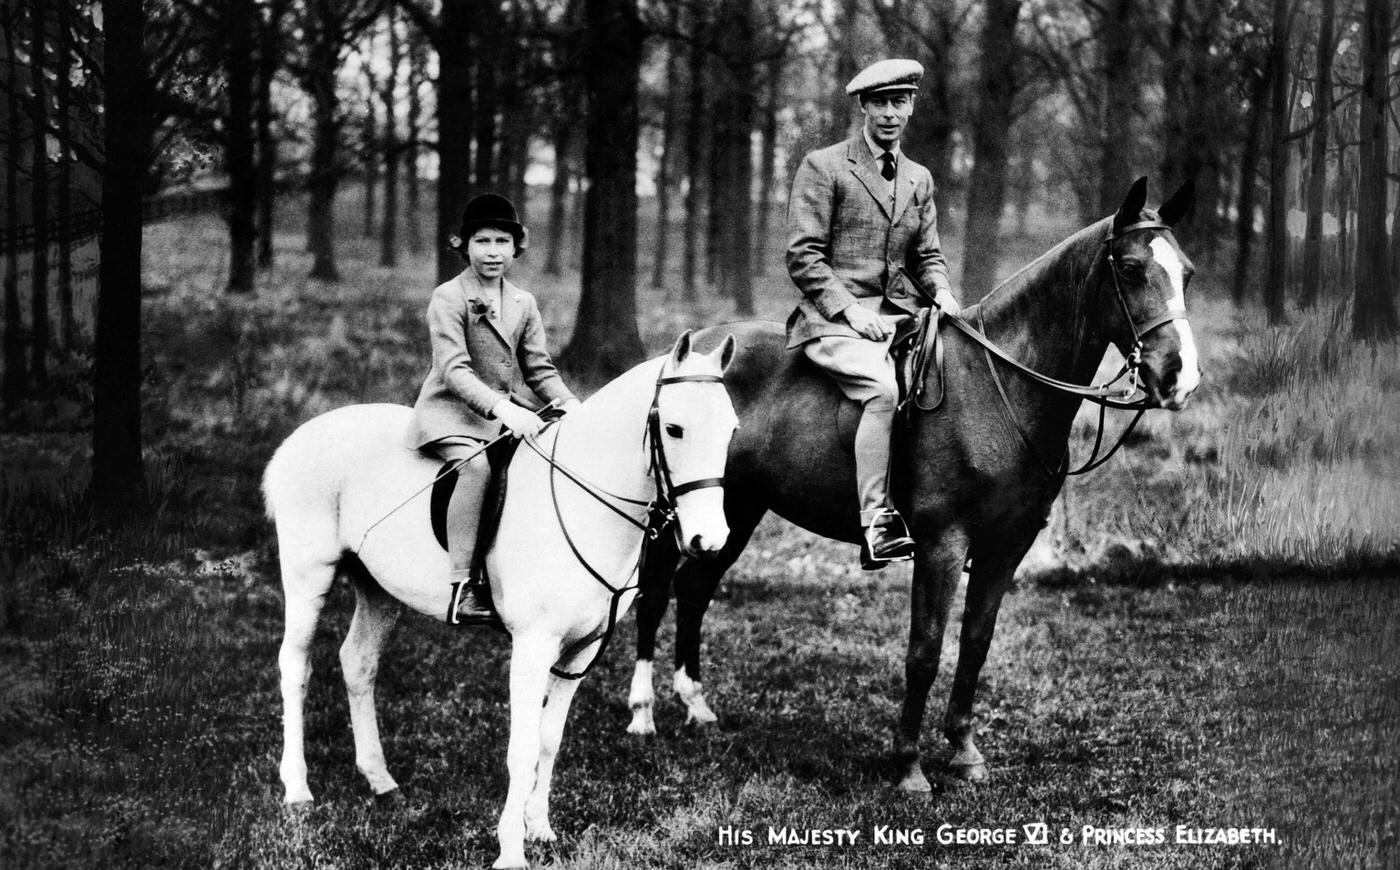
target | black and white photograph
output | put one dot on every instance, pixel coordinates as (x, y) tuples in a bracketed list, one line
[(700, 434)]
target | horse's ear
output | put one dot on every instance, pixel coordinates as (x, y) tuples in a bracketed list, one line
[(1131, 208), (1180, 203), (681, 349), (727, 349)]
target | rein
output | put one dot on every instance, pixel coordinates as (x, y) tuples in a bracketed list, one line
[(660, 513), (1129, 397)]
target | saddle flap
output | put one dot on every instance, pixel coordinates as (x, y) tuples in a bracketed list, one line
[(498, 456)]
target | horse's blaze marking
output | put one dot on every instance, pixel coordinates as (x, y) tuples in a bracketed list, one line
[(1167, 258)]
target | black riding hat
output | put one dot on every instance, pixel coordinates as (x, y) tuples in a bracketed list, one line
[(491, 210)]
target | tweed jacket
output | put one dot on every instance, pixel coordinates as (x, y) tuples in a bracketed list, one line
[(477, 360), (846, 241)]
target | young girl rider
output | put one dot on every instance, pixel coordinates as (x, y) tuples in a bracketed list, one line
[(488, 342)]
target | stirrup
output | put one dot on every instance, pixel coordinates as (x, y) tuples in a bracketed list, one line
[(472, 605), (885, 540)]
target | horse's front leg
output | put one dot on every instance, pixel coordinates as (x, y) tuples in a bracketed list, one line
[(558, 697), (375, 615), (937, 569), (655, 580), (993, 566), (530, 658)]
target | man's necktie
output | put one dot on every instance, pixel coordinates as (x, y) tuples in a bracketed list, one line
[(887, 166)]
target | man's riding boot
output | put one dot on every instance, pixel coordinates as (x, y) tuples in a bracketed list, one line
[(884, 537)]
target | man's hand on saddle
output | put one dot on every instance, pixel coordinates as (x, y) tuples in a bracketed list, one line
[(520, 421), (869, 324)]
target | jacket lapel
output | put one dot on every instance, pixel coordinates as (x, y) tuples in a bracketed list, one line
[(863, 165), (903, 191), (476, 294), (512, 310)]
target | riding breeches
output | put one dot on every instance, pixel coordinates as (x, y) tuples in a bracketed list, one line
[(865, 373), (464, 507)]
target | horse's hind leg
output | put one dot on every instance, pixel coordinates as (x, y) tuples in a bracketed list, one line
[(989, 578), (655, 581), (375, 615), (305, 581), (696, 582)]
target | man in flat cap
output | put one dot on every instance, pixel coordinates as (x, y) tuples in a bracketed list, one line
[(858, 211)]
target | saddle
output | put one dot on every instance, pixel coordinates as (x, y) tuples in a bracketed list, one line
[(917, 351), (498, 457)]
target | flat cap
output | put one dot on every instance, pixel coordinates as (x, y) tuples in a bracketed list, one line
[(887, 76)]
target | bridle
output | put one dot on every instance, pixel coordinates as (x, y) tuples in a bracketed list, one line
[(660, 510), (1130, 397)]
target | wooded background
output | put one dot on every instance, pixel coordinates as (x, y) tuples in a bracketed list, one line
[(1283, 113)]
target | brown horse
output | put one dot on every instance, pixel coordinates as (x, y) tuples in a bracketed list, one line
[(977, 476)]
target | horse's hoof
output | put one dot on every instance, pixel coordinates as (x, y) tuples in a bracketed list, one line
[(972, 772), (511, 863), (389, 800), (698, 713), (642, 723), (542, 834), (914, 782)]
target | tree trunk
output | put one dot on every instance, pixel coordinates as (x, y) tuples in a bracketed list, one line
[(417, 67), (768, 165), (735, 108), (486, 56), (389, 230), (694, 166), (454, 112), (606, 342), (839, 121), (68, 327), (559, 193), (986, 192), (325, 175), (1249, 171), (269, 40), (664, 180), (242, 181), (1374, 313), (39, 202), (1278, 165), (1120, 106), (1317, 175), (16, 382), (372, 157), (118, 480)]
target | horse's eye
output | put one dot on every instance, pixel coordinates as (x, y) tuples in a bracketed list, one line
[(1134, 271), (675, 431)]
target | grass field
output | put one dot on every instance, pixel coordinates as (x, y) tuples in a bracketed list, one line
[(1207, 636)]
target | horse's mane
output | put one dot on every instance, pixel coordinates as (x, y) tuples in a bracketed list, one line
[(1065, 265)]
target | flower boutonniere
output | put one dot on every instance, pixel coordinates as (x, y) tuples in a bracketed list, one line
[(481, 308)]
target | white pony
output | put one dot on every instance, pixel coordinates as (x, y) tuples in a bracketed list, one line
[(344, 486)]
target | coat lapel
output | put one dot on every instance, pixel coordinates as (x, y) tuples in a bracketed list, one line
[(863, 165), (512, 310), (903, 191), (475, 294)]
